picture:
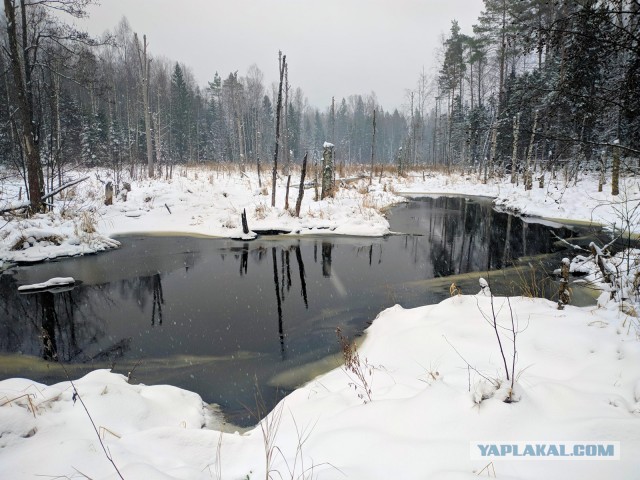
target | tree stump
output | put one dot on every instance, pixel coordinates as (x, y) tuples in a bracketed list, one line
[(126, 188), (564, 293), (245, 224), (327, 171), (108, 193)]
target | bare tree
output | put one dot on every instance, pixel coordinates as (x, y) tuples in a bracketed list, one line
[(282, 60), (373, 146)]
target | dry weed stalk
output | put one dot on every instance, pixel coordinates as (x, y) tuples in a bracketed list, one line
[(490, 469), (529, 284), (269, 427), (102, 431), (363, 371), (76, 396), (218, 464), (88, 222)]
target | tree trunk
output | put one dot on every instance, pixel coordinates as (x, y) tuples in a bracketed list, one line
[(373, 146), (301, 188), (24, 112), (286, 193), (528, 175), (327, 171), (488, 166), (615, 171), (58, 129), (514, 154), (258, 159), (144, 85), (315, 180), (274, 173), (285, 124)]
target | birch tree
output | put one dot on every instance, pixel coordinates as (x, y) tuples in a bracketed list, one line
[(143, 64)]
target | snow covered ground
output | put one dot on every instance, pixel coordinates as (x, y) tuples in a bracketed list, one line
[(197, 201), (435, 375), (577, 201), (578, 379), (209, 201)]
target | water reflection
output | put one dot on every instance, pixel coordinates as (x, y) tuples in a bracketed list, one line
[(49, 321), (326, 258), (463, 235), (158, 300), (278, 302), (303, 282), (215, 315)]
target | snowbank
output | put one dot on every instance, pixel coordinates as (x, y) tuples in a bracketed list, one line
[(197, 201), (575, 201), (578, 377), (209, 201)]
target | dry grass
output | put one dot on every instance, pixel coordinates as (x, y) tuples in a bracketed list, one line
[(24, 400), (69, 193), (354, 365), (229, 223), (88, 222), (260, 212), (530, 283)]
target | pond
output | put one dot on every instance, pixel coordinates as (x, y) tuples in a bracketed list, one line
[(230, 319)]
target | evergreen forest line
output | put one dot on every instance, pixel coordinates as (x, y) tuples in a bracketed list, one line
[(537, 85)]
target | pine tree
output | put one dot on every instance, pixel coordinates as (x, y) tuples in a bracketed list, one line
[(180, 123)]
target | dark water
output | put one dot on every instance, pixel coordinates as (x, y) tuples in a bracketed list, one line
[(227, 318)]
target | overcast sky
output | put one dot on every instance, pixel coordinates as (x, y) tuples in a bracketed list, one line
[(333, 47)]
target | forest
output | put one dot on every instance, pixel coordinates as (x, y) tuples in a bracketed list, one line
[(537, 84)]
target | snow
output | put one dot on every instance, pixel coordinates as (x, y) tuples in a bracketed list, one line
[(435, 373), (52, 282), (574, 201), (208, 201), (202, 202), (578, 379)]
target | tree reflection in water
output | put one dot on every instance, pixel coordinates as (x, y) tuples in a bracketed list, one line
[(53, 325)]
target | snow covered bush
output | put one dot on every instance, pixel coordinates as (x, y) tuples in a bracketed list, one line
[(617, 276), (510, 329)]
